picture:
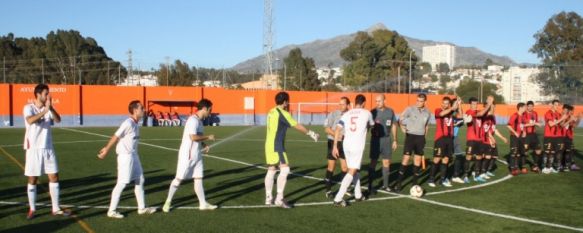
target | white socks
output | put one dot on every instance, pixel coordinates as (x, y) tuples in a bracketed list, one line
[(173, 187), (343, 187), (199, 190), (54, 191), (139, 191), (281, 180), (31, 191), (115, 195), (269, 183), (356, 182)]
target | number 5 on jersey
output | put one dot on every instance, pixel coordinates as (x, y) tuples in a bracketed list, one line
[(353, 123)]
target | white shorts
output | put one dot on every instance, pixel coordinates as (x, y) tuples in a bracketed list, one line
[(189, 167), (353, 158), (40, 162), (129, 168)]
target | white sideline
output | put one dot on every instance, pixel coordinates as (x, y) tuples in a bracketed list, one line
[(395, 196), (504, 216), (291, 173)]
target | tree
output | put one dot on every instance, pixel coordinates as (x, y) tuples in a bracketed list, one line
[(471, 88), (375, 59), (301, 72), (443, 80), (424, 68), (433, 77), (560, 46), (443, 68), (63, 57), (488, 62)]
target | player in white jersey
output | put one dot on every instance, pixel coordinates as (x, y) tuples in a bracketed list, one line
[(129, 167), (38, 143), (190, 164), (354, 123)]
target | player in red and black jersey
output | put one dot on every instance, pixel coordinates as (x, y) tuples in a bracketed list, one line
[(473, 119), (443, 147), (553, 137), (569, 125), (530, 117), (490, 145), (517, 139)]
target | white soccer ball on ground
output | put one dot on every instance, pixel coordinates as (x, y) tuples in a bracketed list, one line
[(416, 191)]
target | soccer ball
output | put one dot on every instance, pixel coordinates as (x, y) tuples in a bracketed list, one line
[(467, 118), (416, 191)]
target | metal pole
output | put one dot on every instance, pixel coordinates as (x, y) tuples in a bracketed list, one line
[(167, 70), (481, 90), (410, 69), (74, 62), (399, 80), (301, 85), (119, 74), (4, 68), (385, 84), (42, 66), (108, 72), (284, 76)]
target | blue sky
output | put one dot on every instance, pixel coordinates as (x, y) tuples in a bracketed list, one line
[(222, 33)]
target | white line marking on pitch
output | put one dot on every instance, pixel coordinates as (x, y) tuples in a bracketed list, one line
[(504, 216), (396, 196), (291, 173), (64, 142)]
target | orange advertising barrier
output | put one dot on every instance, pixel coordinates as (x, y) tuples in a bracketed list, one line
[(100, 102), (232, 101), (5, 99), (65, 98), (109, 100)]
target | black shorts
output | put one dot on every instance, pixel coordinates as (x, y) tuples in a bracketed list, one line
[(554, 145), (443, 147), (517, 145), (414, 144), (340, 150), (381, 147), (568, 144), (490, 151), (474, 148), (532, 142)]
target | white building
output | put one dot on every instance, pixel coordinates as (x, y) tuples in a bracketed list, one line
[(519, 85), (437, 54), (266, 82), (212, 83), (324, 74), (495, 68), (140, 80)]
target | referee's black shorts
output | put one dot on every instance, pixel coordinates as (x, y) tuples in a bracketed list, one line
[(340, 150), (414, 144)]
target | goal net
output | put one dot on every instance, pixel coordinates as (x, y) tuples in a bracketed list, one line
[(312, 113)]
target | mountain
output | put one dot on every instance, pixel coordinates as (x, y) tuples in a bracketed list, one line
[(327, 52)]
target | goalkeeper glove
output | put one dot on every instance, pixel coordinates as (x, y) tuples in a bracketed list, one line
[(313, 135)]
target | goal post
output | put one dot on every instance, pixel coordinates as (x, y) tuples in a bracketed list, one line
[(312, 113)]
